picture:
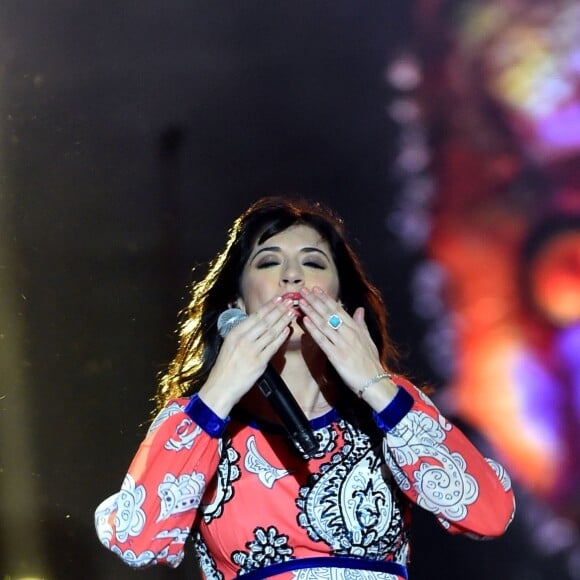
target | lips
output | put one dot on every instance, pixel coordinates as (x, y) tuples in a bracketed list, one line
[(294, 296)]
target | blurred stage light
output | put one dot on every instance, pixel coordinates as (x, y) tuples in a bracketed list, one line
[(555, 280), (529, 54), (404, 72)]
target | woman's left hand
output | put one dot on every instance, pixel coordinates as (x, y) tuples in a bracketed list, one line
[(349, 348)]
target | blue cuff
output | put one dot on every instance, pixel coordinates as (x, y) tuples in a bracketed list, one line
[(394, 411), (211, 423)]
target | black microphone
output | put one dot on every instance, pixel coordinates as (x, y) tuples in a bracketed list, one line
[(277, 393)]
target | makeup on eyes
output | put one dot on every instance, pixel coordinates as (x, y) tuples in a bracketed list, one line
[(276, 250)]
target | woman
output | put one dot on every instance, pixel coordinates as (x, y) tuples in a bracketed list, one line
[(217, 462)]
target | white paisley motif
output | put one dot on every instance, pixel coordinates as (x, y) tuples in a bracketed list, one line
[(134, 560), (185, 436), (501, 473), (179, 535), (349, 503), (425, 398), (255, 463), (443, 486), (180, 495), (129, 517), (341, 574), (102, 513), (148, 557), (165, 414)]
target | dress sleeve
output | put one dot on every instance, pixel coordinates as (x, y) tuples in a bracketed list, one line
[(437, 468), (149, 519)]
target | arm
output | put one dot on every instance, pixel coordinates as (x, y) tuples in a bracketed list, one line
[(433, 463), (437, 468), (149, 519)]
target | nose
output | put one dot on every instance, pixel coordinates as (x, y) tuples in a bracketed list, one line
[(292, 274)]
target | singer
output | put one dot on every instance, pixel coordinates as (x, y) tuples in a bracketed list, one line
[(219, 463)]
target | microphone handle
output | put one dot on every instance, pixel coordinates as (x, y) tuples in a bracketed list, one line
[(284, 404)]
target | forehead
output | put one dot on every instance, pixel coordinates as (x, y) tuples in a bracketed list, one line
[(296, 235)]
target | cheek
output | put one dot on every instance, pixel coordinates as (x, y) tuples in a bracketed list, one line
[(253, 294), (330, 285)]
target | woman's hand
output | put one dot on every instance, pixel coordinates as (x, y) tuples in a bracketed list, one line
[(349, 348), (244, 354)]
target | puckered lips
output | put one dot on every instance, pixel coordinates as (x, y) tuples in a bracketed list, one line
[(295, 297)]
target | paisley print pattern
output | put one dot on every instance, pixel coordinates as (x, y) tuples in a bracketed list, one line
[(186, 434), (180, 494), (172, 409), (326, 441), (268, 547), (501, 473), (256, 464), (205, 560), (349, 505), (441, 481), (339, 574), (126, 507), (134, 560), (228, 471), (251, 502)]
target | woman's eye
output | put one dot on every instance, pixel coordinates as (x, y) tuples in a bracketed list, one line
[(315, 265), (267, 264)]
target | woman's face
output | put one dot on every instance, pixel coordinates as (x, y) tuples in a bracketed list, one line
[(283, 264)]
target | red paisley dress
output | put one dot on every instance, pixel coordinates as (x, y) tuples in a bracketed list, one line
[(256, 509)]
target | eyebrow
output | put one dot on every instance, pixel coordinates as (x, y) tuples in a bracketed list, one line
[(305, 250)]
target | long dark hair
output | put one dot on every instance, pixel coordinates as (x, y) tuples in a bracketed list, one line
[(199, 340)]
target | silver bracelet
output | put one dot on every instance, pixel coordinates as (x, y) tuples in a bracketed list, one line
[(372, 381)]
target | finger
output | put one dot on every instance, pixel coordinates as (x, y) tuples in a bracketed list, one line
[(321, 320), (265, 318), (359, 316), (280, 316), (319, 300), (272, 333), (318, 336), (272, 347), (249, 320), (325, 306)]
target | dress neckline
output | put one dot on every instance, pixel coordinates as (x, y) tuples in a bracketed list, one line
[(247, 418)]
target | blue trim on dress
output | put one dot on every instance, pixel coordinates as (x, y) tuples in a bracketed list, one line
[(394, 411), (269, 427), (387, 567), (205, 417)]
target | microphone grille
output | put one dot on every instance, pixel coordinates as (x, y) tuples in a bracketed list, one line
[(228, 319)]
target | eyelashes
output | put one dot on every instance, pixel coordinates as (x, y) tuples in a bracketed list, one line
[(265, 265), (270, 264)]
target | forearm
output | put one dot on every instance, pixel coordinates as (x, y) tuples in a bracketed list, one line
[(438, 468), (147, 521)]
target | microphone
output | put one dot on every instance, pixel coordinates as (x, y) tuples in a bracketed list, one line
[(277, 393)]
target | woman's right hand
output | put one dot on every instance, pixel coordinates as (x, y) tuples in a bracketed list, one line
[(244, 354)]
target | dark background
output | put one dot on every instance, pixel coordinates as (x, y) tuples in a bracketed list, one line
[(133, 133)]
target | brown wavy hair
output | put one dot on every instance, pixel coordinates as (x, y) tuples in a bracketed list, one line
[(199, 339)]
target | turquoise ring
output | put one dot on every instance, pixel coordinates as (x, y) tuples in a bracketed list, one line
[(335, 322)]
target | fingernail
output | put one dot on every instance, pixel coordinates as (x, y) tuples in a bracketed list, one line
[(317, 290), (304, 291)]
